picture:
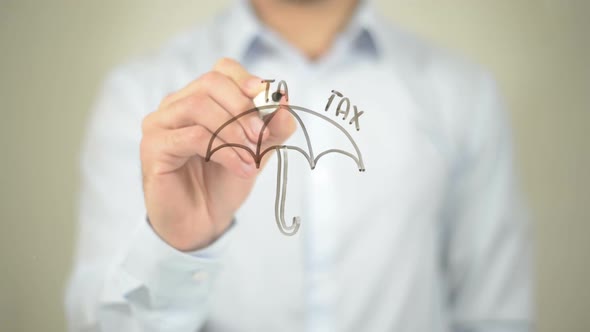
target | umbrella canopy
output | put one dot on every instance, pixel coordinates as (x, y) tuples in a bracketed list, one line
[(307, 150)]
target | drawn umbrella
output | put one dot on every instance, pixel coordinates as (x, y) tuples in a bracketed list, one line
[(310, 154)]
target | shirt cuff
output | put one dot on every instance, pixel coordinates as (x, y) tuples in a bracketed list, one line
[(164, 271)]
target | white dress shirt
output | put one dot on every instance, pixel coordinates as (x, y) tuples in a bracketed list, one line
[(432, 237)]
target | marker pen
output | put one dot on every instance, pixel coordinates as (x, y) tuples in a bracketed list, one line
[(260, 100)]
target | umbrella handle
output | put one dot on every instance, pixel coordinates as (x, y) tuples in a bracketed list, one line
[(283, 165)]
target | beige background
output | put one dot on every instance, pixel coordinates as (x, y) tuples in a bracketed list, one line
[(53, 55)]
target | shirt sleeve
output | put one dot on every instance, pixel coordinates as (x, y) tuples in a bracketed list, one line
[(125, 278), (487, 240)]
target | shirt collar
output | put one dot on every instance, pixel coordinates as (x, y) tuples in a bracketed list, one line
[(362, 31), (242, 34)]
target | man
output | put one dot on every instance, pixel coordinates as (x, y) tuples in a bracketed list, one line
[(431, 237)]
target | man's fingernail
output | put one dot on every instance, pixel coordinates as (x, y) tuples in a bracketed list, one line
[(252, 146), (248, 169), (256, 126), (254, 84)]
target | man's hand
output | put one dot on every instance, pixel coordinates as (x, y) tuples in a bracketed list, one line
[(190, 202)]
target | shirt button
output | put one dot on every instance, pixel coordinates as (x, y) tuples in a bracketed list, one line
[(200, 276)]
